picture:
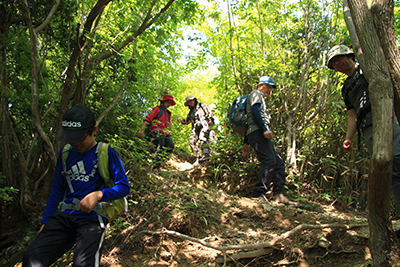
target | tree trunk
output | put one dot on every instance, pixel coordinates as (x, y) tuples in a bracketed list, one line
[(5, 136), (383, 15), (35, 90), (382, 245), (230, 16), (261, 30)]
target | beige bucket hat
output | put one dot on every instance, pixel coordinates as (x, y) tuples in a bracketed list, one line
[(338, 50)]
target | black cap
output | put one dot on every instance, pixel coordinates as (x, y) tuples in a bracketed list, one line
[(75, 123)]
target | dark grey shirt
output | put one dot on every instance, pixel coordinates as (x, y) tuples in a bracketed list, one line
[(256, 97)]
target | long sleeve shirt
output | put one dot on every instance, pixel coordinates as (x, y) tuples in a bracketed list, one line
[(159, 123), (83, 171), (198, 116)]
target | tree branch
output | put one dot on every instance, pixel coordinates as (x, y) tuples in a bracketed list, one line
[(353, 35), (48, 18), (270, 244)]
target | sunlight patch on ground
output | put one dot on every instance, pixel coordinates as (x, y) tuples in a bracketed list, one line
[(333, 212), (112, 258), (181, 166)]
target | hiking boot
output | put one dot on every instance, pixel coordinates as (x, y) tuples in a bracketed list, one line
[(281, 198)]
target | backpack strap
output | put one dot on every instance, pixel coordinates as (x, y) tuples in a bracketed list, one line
[(102, 155), (65, 153), (148, 126), (106, 209), (160, 113), (205, 112)]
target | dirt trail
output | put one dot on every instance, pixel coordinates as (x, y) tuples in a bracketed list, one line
[(188, 202), (185, 199)]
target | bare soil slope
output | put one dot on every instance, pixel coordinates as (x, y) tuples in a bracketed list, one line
[(200, 221)]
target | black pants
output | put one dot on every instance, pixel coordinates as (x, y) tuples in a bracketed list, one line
[(59, 235), (272, 166), (164, 147)]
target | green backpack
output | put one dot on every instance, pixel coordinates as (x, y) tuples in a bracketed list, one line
[(106, 209)]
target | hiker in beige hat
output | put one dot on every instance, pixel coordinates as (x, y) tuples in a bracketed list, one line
[(356, 98), (198, 117)]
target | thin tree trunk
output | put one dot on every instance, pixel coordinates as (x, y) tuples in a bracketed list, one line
[(35, 90), (148, 20), (291, 146), (261, 30), (353, 34), (231, 48), (70, 73), (5, 136), (26, 192)]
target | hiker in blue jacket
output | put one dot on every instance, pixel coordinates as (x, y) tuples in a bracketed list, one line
[(198, 117), (159, 120), (259, 135), (78, 224)]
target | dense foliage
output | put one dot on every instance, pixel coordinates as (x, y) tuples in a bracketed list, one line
[(120, 57)]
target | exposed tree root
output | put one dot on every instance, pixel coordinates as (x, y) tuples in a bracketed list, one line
[(246, 255), (260, 248)]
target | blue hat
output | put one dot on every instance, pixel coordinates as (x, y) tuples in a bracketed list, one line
[(267, 80)]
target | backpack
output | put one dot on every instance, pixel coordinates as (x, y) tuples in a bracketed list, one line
[(237, 115), (147, 130), (206, 111), (106, 209)]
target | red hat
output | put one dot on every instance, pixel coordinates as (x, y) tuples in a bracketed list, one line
[(168, 97)]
